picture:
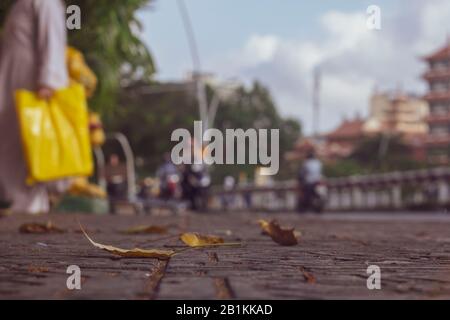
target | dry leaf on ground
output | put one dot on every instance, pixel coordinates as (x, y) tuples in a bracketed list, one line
[(40, 228), (133, 253), (265, 226), (198, 240), (151, 229), (284, 237), (309, 277)]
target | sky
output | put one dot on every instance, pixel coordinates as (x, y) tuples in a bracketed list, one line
[(280, 43)]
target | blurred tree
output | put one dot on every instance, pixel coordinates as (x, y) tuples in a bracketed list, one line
[(383, 153), (344, 168), (375, 154), (110, 39), (254, 108), (149, 119)]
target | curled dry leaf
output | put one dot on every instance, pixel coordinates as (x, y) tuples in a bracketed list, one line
[(152, 229), (298, 234), (265, 226), (133, 253), (309, 277), (198, 240), (284, 237), (40, 228)]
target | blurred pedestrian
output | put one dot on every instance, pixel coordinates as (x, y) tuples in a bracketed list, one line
[(228, 197), (169, 178), (116, 175), (244, 183), (32, 57), (310, 176)]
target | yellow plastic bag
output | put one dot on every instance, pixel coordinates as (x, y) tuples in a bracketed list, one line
[(55, 134)]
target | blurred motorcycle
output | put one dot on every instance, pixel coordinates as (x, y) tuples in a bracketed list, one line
[(313, 197), (169, 186), (196, 185)]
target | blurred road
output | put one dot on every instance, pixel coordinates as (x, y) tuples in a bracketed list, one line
[(412, 250)]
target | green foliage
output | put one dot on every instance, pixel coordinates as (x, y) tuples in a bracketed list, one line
[(375, 154), (111, 42), (109, 38), (343, 168), (149, 119), (384, 153)]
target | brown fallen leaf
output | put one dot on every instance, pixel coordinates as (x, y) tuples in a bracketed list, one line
[(198, 240), (133, 253), (309, 277), (39, 228), (284, 237), (152, 229)]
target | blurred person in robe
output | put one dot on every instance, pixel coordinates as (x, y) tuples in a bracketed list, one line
[(32, 57)]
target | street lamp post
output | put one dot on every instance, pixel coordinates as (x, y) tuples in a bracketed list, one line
[(200, 86)]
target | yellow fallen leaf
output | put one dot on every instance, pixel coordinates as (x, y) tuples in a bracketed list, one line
[(133, 253), (39, 228), (284, 237), (265, 226), (146, 230), (198, 240)]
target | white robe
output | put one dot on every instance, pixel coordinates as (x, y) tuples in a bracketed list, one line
[(32, 55)]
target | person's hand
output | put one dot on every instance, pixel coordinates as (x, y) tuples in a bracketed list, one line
[(45, 93)]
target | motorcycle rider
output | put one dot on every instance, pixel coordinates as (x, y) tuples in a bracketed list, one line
[(310, 175), (195, 184), (166, 173)]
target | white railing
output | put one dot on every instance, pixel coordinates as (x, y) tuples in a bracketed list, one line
[(411, 190)]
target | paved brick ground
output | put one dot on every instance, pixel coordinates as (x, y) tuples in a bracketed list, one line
[(330, 261)]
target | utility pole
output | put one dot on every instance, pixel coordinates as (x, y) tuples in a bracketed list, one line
[(316, 102), (197, 74)]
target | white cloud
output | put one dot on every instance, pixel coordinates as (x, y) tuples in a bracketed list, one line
[(434, 22), (263, 46), (353, 59)]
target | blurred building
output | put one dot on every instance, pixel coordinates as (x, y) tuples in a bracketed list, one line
[(397, 113), (341, 142), (438, 78), (394, 113), (337, 144)]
